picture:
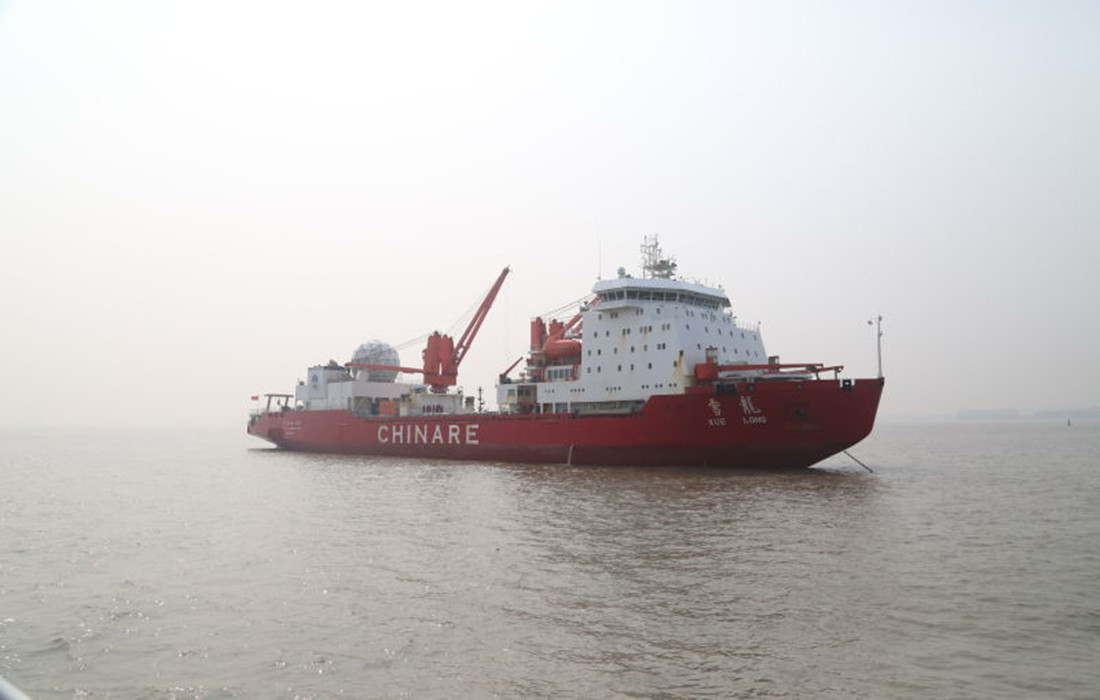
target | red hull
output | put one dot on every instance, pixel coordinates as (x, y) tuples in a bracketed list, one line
[(767, 425)]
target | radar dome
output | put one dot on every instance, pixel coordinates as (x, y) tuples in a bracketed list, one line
[(375, 352)]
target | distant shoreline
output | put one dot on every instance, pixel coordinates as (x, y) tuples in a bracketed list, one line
[(990, 418)]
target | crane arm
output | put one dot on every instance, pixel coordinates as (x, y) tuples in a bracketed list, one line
[(467, 338), (392, 368)]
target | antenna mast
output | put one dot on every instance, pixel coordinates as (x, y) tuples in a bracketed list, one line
[(654, 264), (878, 339)]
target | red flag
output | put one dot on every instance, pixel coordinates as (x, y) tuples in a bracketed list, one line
[(255, 398)]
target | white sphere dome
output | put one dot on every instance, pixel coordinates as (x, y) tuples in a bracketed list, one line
[(375, 352)]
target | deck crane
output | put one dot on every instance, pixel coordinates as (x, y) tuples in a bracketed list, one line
[(442, 356)]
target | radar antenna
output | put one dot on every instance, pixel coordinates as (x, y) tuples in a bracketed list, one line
[(654, 264)]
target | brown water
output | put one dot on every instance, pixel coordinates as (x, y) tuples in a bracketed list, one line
[(179, 564)]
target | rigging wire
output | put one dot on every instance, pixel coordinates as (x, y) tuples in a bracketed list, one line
[(460, 324), (568, 306), (857, 461)]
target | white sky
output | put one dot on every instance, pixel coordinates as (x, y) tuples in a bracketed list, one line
[(200, 199)]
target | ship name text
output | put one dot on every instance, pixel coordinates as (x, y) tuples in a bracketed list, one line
[(752, 414), (438, 434), (716, 409)]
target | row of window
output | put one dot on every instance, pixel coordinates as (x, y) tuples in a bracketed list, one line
[(599, 369), (725, 318), (664, 327), (559, 373), (653, 295), (661, 346), (664, 346), (582, 390), (736, 351), (645, 348)]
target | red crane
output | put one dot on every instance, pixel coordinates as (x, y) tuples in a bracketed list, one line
[(442, 356)]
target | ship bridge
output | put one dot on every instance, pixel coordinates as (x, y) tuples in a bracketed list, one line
[(628, 291)]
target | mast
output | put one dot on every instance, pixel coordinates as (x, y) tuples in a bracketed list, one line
[(878, 340), (654, 264)]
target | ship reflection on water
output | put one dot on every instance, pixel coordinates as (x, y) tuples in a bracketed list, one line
[(691, 581)]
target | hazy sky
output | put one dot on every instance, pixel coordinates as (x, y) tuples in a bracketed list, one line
[(200, 199)]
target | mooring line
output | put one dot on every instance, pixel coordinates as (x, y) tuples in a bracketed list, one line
[(858, 462)]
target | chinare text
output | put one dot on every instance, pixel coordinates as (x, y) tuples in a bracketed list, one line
[(440, 434)]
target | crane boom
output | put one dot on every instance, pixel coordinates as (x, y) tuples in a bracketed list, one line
[(467, 338), (442, 356)]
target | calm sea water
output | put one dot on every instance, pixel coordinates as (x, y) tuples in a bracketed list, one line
[(199, 564)]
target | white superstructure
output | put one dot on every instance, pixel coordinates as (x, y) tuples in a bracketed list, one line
[(372, 392), (638, 337)]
